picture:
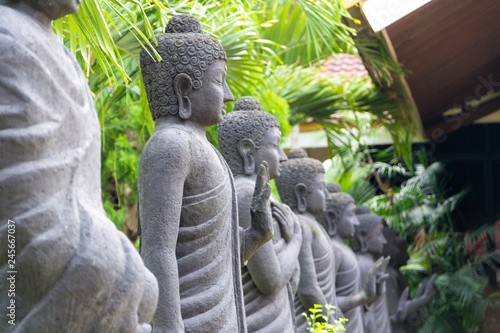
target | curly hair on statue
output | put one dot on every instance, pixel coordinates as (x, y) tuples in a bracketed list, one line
[(247, 121), (367, 223), (184, 48), (298, 169), (337, 204)]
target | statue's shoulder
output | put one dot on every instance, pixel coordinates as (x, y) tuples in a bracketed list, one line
[(172, 135), (173, 144), (307, 226), (365, 264), (244, 187), (339, 249), (10, 31), (7, 18), (19, 25)]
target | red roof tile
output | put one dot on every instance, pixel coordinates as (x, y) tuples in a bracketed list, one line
[(344, 64)]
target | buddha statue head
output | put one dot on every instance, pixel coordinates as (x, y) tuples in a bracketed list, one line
[(396, 248), (52, 9), (248, 136), (301, 184), (190, 80), (339, 217), (369, 234)]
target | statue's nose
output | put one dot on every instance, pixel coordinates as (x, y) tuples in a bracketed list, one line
[(228, 96)]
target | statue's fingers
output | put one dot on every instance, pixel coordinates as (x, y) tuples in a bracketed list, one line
[(378, 264), (429, 287), (404, 295), (386, 262), (278, 216), (383, 277), (262, 190), (287, 210), (262, 176), (267, 191)]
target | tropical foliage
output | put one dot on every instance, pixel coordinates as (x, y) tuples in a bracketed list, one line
[(318, 320), (415, 201), (421, 211), (273, 49)]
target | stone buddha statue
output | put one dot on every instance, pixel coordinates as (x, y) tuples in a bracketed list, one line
[(301, 186), (247, 137), (368, 245), (340, 220), (190, 238), (74, 271), (400, 308)]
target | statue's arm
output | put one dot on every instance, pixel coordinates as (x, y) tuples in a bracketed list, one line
[(375, 275), (270, 271), (406, 307), (309, 290), (347, 303), (163, 170), (261, 228)]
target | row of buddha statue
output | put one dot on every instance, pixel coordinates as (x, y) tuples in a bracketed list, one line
[(228, 256), (218, 252)]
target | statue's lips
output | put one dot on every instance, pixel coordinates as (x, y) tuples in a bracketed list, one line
[(223, 112)]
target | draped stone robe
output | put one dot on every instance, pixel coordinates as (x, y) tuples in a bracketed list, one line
[(347, 283), (376, 315), (75, 271), (265, 313), (395, 285), (316, 243), (216, 281), (207, 250)]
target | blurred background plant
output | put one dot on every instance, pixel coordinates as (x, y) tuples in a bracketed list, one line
[(415, 200), (318, 321)]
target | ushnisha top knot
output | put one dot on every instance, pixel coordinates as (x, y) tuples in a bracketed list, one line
[(247, 103), (333, 188), (297, 153), (183, 24)]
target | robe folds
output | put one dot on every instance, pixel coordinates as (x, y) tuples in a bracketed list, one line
[(75, 271), (211, 288), (348, 284)]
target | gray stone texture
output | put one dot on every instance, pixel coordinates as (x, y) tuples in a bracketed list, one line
[(247, 136), (75, 271), (401, 309), (301, 186), (370, 245), (340, 221), (190, 238)]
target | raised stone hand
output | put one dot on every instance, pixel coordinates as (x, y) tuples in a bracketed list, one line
[(374, 285), (261, 229), (406, 307), (382, 276), (260, 209), (287, 220), (426, 291)]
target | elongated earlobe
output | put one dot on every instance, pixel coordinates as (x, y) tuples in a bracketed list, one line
[(182, 86), (362, 242), (300, 194), (246, 148), (332, 226)]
